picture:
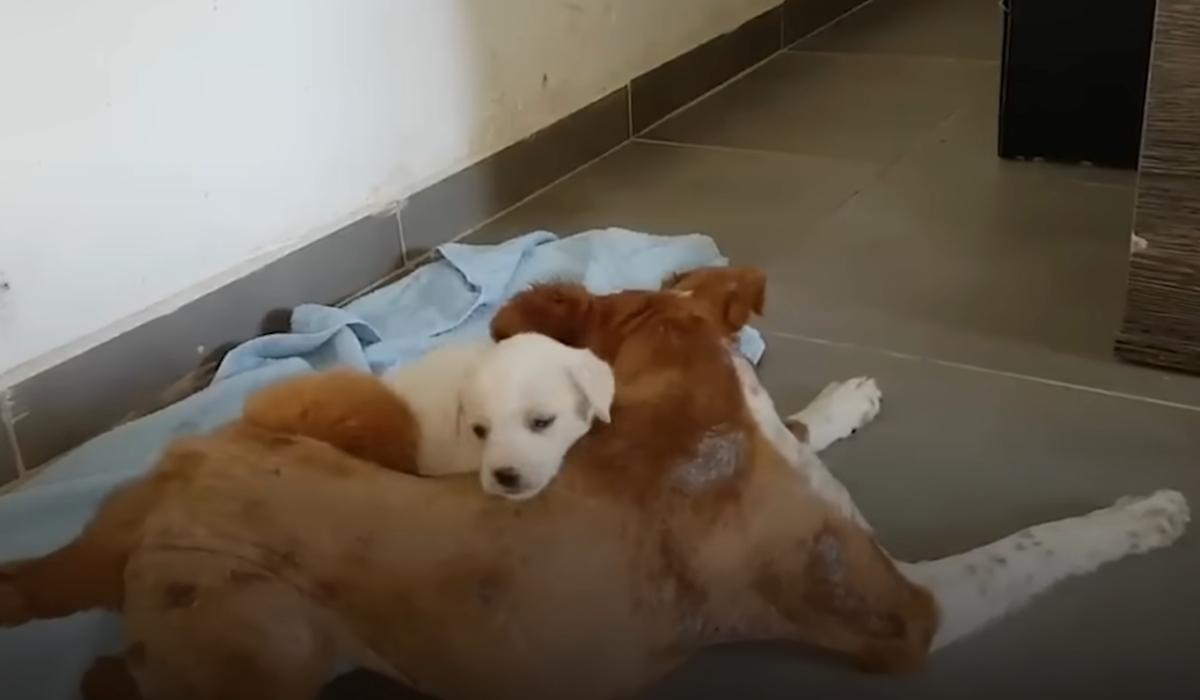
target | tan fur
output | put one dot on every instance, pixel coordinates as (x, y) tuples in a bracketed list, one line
[(253, 560), (348, 409)]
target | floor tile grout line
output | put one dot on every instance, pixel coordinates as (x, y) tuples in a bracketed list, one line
[(892, 56), (738, 76), (875, 177), (914, 145), (724, 84), (741, 149), (926, 138), (1132, 188), (986, 370)]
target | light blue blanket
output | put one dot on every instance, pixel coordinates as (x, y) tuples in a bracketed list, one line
[(450, 299)]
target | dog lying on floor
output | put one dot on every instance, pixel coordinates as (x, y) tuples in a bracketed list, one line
[(251, 561), (508, 410)]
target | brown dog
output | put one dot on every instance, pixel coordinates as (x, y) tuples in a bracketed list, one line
[(252, 562)]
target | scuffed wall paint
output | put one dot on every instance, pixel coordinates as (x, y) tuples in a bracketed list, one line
[(151, 150)]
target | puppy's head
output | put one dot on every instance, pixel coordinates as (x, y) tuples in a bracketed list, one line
[(559, 310), (730, 296), (528, 401)]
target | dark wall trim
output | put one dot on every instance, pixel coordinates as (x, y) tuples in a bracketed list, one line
[(91, 392), (141, 370), (804, 17)]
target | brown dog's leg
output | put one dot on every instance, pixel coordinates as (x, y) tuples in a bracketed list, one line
[(80, 576), (839, 591), (209, 627), (87, 572)]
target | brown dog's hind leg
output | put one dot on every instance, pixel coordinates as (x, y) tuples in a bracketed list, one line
[(86, 573), (839, 591), (205, 627)]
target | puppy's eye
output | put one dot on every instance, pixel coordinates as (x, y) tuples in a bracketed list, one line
[(539, 423), (480, 431)]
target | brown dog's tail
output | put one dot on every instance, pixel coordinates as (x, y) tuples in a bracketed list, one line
[(353, 411), (88, 572)]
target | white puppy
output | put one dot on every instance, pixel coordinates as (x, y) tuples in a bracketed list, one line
[(509, 410)]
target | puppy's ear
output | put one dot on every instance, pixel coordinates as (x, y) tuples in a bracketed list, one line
[(730, 295), (594, 379), (559, 310)]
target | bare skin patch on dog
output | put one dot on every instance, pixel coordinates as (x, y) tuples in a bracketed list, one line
[(716, 460)]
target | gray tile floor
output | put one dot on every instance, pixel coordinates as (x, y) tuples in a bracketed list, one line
[(859, 169)]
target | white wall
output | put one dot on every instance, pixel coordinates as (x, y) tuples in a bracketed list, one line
[(151, 150)]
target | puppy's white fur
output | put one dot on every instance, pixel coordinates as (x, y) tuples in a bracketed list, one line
[(509, 410)]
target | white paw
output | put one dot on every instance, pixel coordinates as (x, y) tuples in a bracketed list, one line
[(1157, 520), (839, 410)]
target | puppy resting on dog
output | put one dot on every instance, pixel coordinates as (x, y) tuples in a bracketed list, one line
[(508, 410), (254, 563)]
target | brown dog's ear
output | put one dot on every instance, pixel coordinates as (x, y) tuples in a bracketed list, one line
[(559, 310), (731, 295)]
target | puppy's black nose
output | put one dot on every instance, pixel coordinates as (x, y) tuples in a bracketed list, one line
[(507, 478)]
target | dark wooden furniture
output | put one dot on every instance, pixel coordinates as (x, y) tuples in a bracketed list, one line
[(1162, 315), (1073, 80)]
